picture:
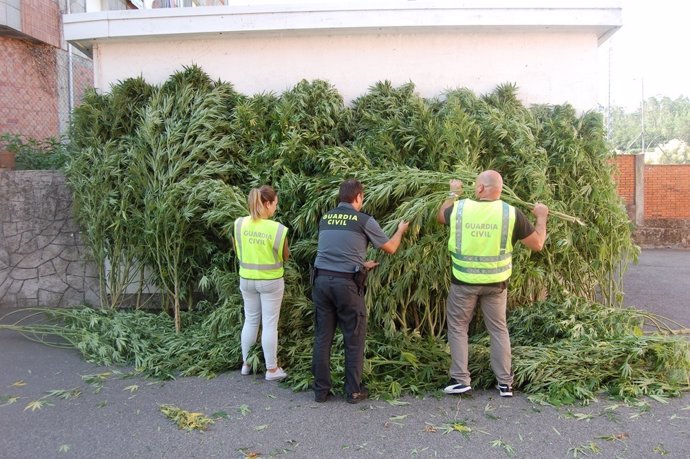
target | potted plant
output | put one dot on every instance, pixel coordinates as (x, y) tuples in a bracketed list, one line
[(26, 153), (7, 153), (6, 157)]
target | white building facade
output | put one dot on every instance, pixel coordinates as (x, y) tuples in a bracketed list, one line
[(547, 48)]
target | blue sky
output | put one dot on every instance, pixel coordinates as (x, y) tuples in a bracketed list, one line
[(647, 55)]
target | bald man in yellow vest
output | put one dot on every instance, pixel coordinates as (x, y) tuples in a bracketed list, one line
[(483, 233)]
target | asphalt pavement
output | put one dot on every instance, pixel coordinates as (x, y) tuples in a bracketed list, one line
[(118, 416)]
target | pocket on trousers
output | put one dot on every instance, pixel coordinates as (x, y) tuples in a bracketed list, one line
[(272, 286), (361, 322), (352, 289), (501, 287)]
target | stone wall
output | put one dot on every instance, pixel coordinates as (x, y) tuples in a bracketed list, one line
[(663, 232), (42, 259)]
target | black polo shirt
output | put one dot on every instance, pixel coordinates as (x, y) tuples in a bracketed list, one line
[(344, 235)]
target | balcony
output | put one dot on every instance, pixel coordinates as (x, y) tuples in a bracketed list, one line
[(93, 6)]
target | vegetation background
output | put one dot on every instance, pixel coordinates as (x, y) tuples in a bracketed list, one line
[(663, 127), (160, 173)]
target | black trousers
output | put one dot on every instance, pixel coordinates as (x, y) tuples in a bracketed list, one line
[(338, 302)]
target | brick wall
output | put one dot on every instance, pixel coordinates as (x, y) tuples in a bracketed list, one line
[(625, 178), (28, 89), (34, 84), (36, 72), (82, 76), (667, 191), (666, 188), (41, 20)]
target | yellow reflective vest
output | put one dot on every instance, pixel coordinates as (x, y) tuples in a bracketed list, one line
[(481, 241), (259, 245)]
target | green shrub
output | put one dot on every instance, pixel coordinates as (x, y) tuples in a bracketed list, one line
[(159, 175), (34, 154)]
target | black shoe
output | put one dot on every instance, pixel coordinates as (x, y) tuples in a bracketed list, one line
[(504, 390), (357, 397), (321, 397), (454, 387)]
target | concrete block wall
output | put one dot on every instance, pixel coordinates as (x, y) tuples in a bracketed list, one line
[(42, 259), (663, 232)]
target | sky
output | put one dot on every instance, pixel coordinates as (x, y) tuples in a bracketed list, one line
[(647, 55)]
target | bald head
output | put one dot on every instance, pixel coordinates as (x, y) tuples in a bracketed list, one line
[(489, 185)]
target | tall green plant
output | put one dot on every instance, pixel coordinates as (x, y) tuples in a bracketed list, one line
[(174, 178), (102, 132), (592, 256), (183, 142)]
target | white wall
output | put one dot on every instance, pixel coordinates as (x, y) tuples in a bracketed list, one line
[(549, 67), (547, 48)]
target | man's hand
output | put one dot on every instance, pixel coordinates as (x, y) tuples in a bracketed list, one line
[(456, 186), (370, 264), (394, 242), (540, 210), (536, 240), (455, 191)]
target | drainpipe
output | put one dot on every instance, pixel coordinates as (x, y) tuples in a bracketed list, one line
[(70, 75)]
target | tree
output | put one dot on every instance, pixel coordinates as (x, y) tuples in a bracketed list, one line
[(674, 152), (664, 120)]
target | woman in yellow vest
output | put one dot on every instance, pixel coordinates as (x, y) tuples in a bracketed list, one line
[(262, 248)]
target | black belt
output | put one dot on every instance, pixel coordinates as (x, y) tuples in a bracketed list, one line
[(325, 272)]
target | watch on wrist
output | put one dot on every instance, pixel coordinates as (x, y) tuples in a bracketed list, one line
[(452, 195)]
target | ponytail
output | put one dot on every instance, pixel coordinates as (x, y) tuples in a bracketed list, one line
[(258, 199)]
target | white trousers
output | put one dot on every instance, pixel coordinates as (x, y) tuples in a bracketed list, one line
[(262, 299)]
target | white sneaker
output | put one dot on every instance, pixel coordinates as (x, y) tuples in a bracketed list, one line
[(454, 387), (246, 369), (276, 375)]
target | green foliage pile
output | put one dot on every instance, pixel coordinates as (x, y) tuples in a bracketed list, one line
[(562, 352), (160, 173), (35, 154)]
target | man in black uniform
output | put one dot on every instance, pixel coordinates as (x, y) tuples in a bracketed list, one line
[(344, 234)]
